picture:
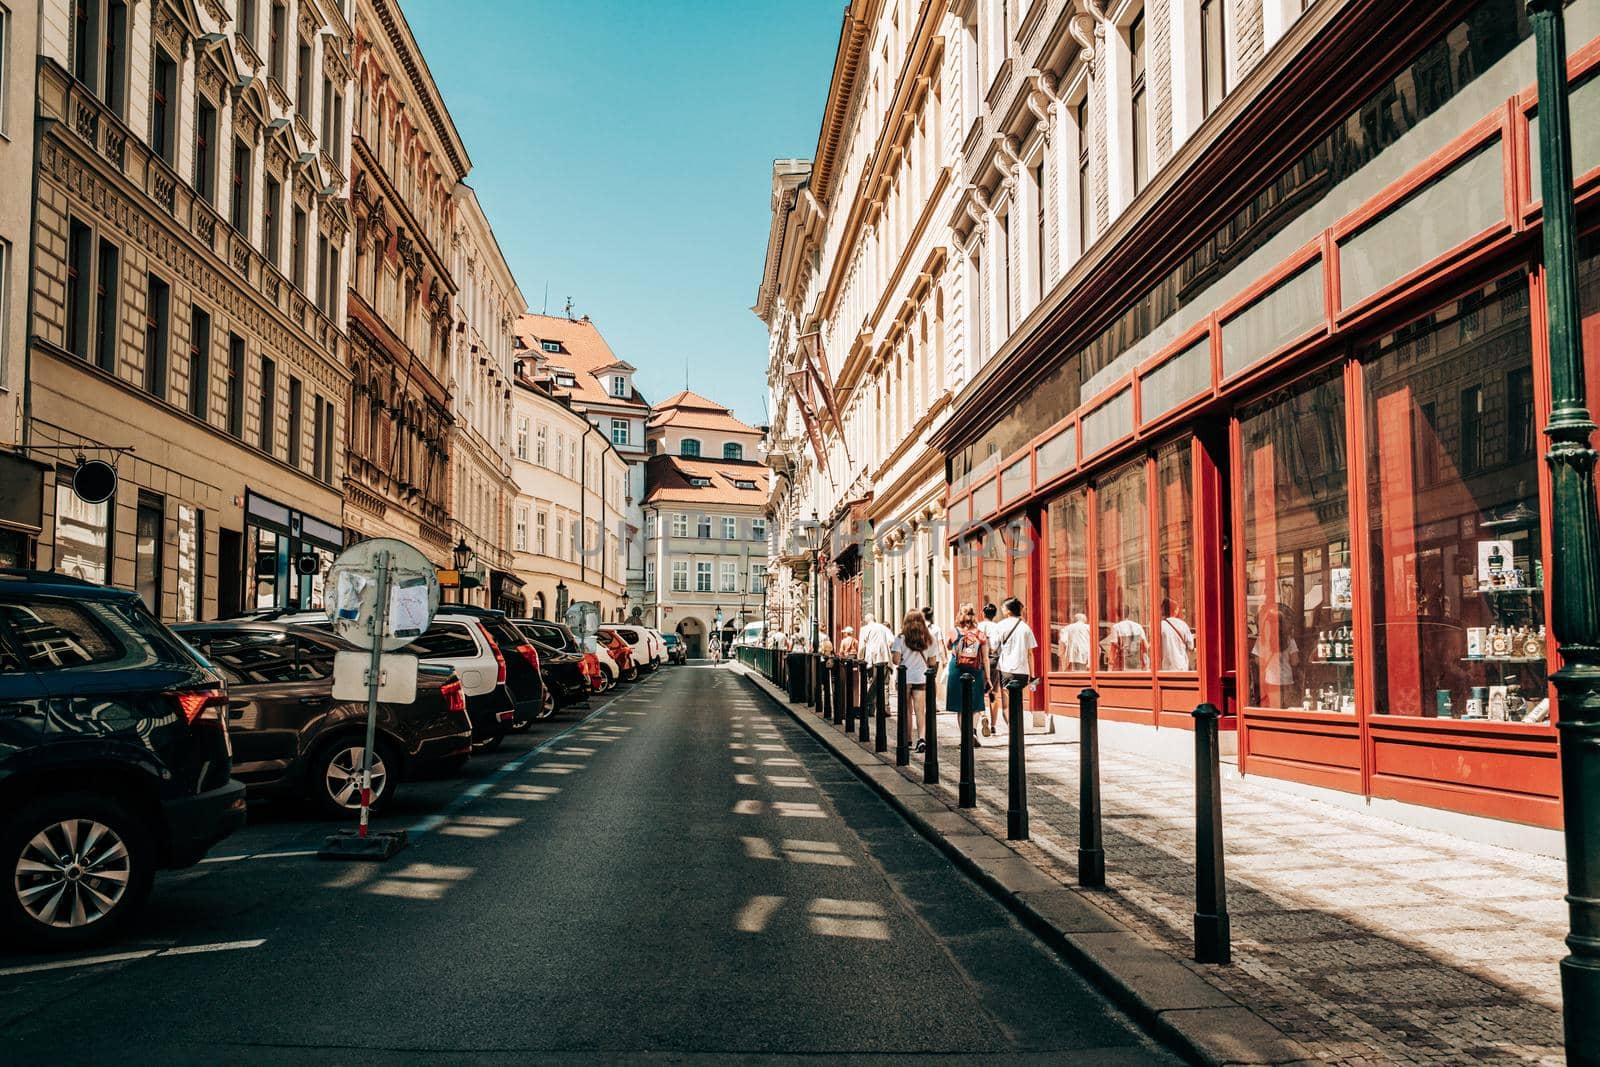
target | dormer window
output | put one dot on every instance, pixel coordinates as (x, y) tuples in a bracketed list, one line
[(700, 483), (733, 450), (743, 483), (689, 447), (550, 346), (619, 385), (564, 378)]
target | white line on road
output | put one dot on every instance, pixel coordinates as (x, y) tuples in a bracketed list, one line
[(260, 856), (122, 957)]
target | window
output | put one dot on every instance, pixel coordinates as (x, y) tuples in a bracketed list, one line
[(105, 307), (1122, 519), (702, 577), (541, 454), (700, 483), (296, 419), (324, 276), (247, 21), (522, 437), (1457, 584), (758, 529), (1295, 479), (519, 530), (1139, 104), (205, 150), (199, 362), (99, 48), (730, 528), (619, 431), (1213, 54), (79, 280), (147, 551), (1067, 589), (446, 640), (269, 221), (302, 79), (191, 563), (690, 447), (278, 43), (540, 532), (269, 394), (744, 483), (67, 635), (733, 450), (649, 575), (1175, 554), (680, 576), (1040, 228), (1080, 114), (322, 461), (164, 108), (758, 577), (83, 534), (239, 202), (703, 528), (156, 335), (680, 525), (297, 250), (619, 385), (236, 385), (729, 578), (551, 346), (572, 539)]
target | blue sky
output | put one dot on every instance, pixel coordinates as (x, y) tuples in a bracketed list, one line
[(623, 151)]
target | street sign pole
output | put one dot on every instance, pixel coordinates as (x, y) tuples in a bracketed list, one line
[(376, 626)]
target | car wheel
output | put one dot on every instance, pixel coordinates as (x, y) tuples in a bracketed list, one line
[(632, 675), (547, 705), (489, 744), (77, 867), (336, 776)]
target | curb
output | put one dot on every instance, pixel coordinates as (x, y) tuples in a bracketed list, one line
[(1171, 1000)]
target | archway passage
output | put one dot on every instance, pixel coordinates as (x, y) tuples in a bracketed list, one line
[(693, 633)]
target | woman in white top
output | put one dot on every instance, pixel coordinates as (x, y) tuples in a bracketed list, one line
[(913, 649)]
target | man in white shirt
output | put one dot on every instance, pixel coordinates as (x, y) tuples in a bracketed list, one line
[(1127, 647), (1016, 649), (876, 639), (1177, 640), (1076, 641), (991, 635)]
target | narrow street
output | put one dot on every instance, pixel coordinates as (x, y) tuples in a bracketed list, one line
[(680, 872)]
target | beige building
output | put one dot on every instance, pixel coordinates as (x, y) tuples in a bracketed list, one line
[(705, 522), (407, 160), (21, 480), (481, 373), (569, 514), (188, 321)]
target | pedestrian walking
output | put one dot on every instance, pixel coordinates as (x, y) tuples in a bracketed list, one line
[(990, 629), (848, 647), (876, 640), (716, 649), (1016, 652), (969, 662), (913, 649)]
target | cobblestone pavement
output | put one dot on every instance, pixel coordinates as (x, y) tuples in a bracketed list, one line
[(1366, 941)]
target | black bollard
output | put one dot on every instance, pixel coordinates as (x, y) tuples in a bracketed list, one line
[(967, 787), (848, 719), (930, 722), (902, 740), (1017, 792), (842, 704), (864, 734), (880, 700), (827, 695), (1212, 938), (811, 680), (1091, 848)]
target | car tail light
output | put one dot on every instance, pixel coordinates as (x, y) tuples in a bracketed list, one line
[(499, 660), (205, 702), (455, 696), (530, 654), (591, 665)]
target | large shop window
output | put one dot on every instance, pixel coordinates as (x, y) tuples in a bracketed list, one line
[(1175, 639), (1299, 630), (83, 535), (1067, 524), (1123, 524), (1458, 571), (992, 577)]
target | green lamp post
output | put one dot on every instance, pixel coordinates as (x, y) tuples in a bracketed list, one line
[(1575, 546)]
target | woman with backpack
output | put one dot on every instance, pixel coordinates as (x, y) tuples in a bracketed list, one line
[(914, 650), (969, 666)]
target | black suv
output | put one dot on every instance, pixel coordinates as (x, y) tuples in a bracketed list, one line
[(524, 672), (291, 734), (114, 758)]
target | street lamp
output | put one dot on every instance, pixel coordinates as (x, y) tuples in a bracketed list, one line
[(461, 556), (626, 596), (561, 601), (1575, 546), (814, 543)]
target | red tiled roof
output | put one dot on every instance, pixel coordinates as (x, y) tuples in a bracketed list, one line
[(691, 411), (667, 480), (584, 353)]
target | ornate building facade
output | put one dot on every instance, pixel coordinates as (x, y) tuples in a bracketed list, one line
[(407, 160), (187, 317)]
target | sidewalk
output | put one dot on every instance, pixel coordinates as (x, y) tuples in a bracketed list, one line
[(1355, 940)]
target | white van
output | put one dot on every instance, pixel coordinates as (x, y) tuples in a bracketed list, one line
[(754, 633)]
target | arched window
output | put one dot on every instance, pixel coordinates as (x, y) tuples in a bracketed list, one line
[(733, 450), (538, 602), (690, 447)]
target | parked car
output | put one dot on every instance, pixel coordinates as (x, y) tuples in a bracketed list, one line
[(639, 645), (610, 673), (677, 651), (657, 645), (567, 676), (558, 636), (524, 675), (114, 758), (291, 735), (620, 652)]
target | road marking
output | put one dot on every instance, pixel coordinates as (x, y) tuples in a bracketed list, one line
[(122, 957), (260, 856), (757, 912)]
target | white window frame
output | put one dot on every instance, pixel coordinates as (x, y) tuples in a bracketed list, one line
[(758, 529), (541, 532), (728, 578), (649, 575), (680, 576), (730, 528), (520, 529), (680, 524), (619, 386), (702, 576), (621, 426)]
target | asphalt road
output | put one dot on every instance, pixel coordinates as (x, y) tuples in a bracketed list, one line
[(679, 874)]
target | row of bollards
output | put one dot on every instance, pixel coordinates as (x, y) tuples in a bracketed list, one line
[(851, 694)]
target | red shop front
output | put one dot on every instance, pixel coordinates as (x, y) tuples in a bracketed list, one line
[(1302, 478)]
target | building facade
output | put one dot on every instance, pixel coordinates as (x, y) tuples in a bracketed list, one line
[(21, 479), (481, 373), (1246, 368), (705, 522), (584, 371), (407, 160), (569, 515), (187, 320)]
